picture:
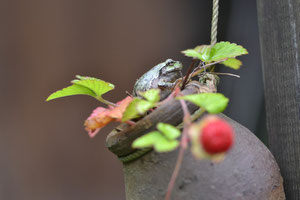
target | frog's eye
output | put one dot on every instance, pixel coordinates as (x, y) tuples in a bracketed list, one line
[(170, 63)]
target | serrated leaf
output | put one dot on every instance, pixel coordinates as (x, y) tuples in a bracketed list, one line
[(204, 51), (171, 132), (85, 78), (195, 54), (191, 53), (232, 63), (71, 90), (99, 87), (212, 102), (101, 117), (137, 108), (146, 140), (151, 95), (222, 50), (86, 86)]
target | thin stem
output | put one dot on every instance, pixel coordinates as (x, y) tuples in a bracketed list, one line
[(175, 173), (194, 116), (107, 102), (199, 69), (129, 94), (226, 74), (183, 146), (186, 112), (174, 93), (188, 73)]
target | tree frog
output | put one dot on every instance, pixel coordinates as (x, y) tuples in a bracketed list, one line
[(161, 76)]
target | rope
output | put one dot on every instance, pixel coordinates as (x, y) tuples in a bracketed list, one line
[(214, 22), (135, 155)]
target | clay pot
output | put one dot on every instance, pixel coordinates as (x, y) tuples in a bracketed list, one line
[(249, 171)]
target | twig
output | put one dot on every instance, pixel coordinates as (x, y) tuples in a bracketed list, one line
[(188, 73), (129, 94), (226, 74), (199, 69)]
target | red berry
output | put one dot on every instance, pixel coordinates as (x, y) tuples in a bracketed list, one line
[(217, 136)]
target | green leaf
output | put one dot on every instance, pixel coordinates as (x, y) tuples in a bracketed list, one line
[(99, 87), (232, 63), (85, 78), (143, 106), (191, 53), (71, 90), (86, 86), (157, 140), (151, 95), (171, 132), (195, 54), (204, 51), (146, 140), (224, 50), (164, 145), (212, 102), (137, 108)]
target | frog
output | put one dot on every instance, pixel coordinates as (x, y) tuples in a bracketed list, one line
[(162, 76)]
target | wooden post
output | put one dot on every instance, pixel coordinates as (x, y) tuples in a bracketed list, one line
[(279, 29)]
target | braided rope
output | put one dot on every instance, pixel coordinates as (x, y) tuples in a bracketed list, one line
[(214, 22), (135, 155)]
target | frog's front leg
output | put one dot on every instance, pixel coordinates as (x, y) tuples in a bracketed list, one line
[(166, 88), (165, 85)]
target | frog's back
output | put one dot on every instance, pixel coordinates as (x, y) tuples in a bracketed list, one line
[(145, 82)]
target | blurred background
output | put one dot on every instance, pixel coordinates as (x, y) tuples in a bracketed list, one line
[(45, 152)]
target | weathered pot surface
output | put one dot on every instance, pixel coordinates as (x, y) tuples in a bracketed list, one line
[(249, 171)]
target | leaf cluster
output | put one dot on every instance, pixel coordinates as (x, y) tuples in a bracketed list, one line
[(221, 51), (165, 138), (138, 107)]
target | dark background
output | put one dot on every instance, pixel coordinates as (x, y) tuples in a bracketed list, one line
[(45, 152)]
